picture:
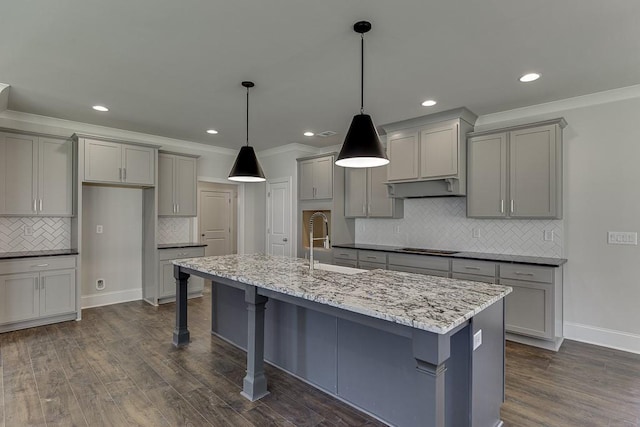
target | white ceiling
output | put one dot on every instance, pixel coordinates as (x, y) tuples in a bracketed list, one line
[(173, 68)]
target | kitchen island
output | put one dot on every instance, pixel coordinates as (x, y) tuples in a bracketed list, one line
[(399, 346)]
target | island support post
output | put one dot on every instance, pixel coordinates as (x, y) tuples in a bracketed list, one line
[(254, 385), (181, 333)]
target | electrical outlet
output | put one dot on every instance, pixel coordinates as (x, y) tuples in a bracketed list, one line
[(548, 235), (475, 232), (396, 229), (477, 339), (99, 229), (622, 238), (100, 285), (28, 230)]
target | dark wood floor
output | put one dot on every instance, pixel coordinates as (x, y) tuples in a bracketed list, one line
[(117, 367)]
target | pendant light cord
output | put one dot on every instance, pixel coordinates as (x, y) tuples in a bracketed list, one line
[(361, 73), (247, 117)]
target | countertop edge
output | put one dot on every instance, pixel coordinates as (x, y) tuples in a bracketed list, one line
[(38, 254), (181, 245)]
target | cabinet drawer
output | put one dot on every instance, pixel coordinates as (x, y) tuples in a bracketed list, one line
[(372, 256), (526, 272), (178, 253), (350, 254), (416, 270), (419, 261), (467, 266), (37, 264), (474, 277), (346, 263), (371, 265)]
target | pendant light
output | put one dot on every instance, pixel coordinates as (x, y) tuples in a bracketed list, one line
[(246, 168), (362, 147)]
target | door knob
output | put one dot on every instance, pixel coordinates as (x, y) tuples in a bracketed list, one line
[(284, 239), (202, 235)]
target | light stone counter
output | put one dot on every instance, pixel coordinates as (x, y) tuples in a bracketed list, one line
[(429, 303)]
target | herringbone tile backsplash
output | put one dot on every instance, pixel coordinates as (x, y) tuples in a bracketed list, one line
[(173, 230), (48, 233), (441, 223)]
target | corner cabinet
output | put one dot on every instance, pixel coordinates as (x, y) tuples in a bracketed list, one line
[(516, 172), (37, 291), (177, 182), (316, 178), (366, 195), (111, 162), (36, 175)]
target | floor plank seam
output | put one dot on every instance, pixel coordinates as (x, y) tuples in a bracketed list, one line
[(44, 416), (66, 377)]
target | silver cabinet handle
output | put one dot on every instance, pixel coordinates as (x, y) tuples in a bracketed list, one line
[(40, 265), (40, 205), (177, 207), (502, 206), (364, 209), (37, 284), (124, 174), (471, 268), (518, 273), (369, 209), (512, 206), (34, 205), (42, 283), (370, 257), (120, 174)]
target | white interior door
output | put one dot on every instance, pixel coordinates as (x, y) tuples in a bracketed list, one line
[(216, 222), (279, 206)]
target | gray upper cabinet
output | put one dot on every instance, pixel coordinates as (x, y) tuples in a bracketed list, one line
[(403, 150), (516, 172), (114, 162), (439, 151), (35, 175), (316, 178), (177, 181), (366, 194)]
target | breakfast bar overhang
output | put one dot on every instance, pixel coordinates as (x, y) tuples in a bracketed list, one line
[(371, 329)]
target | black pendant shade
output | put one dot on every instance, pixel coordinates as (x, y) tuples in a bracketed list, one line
[(362, 147), (246, 168)]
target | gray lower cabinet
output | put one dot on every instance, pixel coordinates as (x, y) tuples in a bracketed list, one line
[(345, 257), (478, 271), (516, 172), (167, 283), (420, 264), (37, 291), (35, 175)]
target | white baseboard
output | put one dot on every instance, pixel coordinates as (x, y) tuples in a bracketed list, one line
[(108, 298), (602, 337)]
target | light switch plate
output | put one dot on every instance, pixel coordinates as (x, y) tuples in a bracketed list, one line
[(99, 229), (477, 339), (475, 232), (28, 230), (622, 238), (548, 235)]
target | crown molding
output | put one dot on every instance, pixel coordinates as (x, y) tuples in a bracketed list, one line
[(554, 107), (66, 128), (287, 148)]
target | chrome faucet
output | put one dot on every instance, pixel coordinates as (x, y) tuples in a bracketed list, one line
[(311, 239)]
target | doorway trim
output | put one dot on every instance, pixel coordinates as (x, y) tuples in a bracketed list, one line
[(292, 230)]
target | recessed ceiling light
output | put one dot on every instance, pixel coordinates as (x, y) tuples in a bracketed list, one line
[(530, 77), (101, 108), (429, 103), (309, 133), (212, 131)]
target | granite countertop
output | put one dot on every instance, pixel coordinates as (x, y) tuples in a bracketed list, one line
[(35, 254), (181, 245), (517, 259), (433, 304)]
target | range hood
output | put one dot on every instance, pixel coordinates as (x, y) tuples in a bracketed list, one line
[(428, 154)]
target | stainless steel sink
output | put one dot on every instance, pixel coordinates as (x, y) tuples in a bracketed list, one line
[(427, 251)]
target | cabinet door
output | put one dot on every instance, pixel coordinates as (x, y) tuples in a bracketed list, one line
[(138, 165), (439, 152), (55, 178), (402, 150), (323, 177), (380, 204), (307, 190), (533, 172), (18, 174), (185, 186), (355, 193), (102, 161), (19, 297), (167, 281), (529, 309), (166, 180), (487, 176), (57, 292)]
